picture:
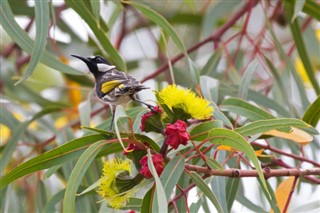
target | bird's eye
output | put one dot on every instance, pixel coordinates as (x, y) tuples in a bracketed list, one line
[(98, 60)]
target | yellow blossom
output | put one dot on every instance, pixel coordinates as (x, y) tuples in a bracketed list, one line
[(5, 133), (107, 187), (195, 106)]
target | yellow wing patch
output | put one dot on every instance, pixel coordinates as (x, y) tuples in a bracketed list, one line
[(110, 85)]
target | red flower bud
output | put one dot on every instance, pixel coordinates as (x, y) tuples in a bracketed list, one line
[(145, 117), (158, 163), (177, 134)]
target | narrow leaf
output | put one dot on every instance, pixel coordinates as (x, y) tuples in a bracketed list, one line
[(298, 5), (312, 114), (95, 5), (246, 79), (57, 156), (206, 190), (215, 165), (42, 27), (171, 174), (271, 124), (162, 203), (200, 132), (77, 174), (245, 109)]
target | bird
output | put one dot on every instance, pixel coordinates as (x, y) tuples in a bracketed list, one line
[(112, 86)]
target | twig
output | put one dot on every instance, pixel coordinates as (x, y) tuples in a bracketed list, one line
[(290, 194), (279, 151), (239, 173), (215, 37)]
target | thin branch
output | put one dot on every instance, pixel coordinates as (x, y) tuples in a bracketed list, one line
[(238, 173), (279, 151), (285, 209), (215, 37)]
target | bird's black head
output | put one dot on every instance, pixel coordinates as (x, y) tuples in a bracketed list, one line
[(96, 64)]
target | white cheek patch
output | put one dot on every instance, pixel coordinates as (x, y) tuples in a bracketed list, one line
[(104, 67)]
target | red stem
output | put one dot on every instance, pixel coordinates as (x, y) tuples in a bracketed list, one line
[(290, 194), (215, 37)]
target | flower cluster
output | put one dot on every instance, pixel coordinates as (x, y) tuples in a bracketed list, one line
[(178, 98), (107, 186), (170, 118)]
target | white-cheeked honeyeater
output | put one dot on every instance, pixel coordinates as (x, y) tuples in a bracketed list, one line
[(111, 85)]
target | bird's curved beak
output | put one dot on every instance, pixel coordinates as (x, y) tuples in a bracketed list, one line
[(81, 58)]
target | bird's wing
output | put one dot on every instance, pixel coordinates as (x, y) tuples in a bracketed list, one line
[(110, 85)]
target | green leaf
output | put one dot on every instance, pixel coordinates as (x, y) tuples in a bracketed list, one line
[(77, 174), (16, 134), (231, 191), (200, 132), (312, 8), (209, 88), (50, 205), (231, 138), (119, 113), (241, 198), (215, 165), (212, 63), (298, 5), (217, 114), (95, 5), (246, 79), (272, 124), (57, 156), (194, 72), (206, 190), (269, 194), (244, 109), (146, 205), (162, 203), (22, 39), (81, 8), (296, 32), (42, 27), (171, 174), (161, 22), (312, 114)]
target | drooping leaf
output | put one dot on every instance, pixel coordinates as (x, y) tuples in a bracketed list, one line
[(42, 26), (162, 203), (57, 156), (312, 114), (203, 186), (77, 174), (246, 79)]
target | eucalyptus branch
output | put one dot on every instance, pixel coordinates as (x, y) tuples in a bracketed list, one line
[(239, 173)]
